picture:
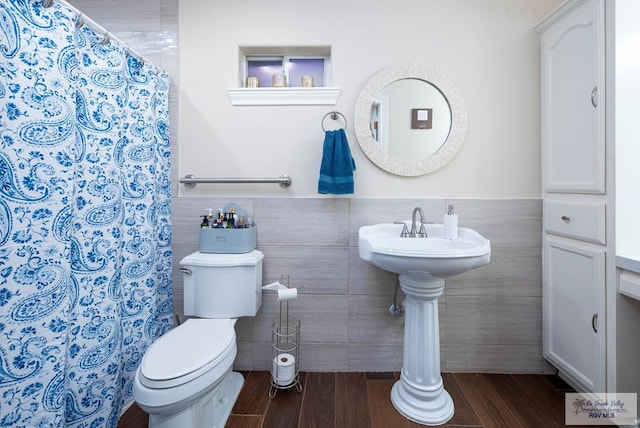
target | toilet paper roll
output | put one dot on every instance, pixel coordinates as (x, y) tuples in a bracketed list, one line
[(287, 294), (284, 369)]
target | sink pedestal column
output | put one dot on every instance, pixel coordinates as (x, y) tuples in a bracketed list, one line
[(419, 395)]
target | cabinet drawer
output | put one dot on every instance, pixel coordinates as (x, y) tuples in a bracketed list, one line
[(579, 221), (630, 285)]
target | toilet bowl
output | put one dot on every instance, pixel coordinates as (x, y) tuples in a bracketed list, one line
[(185, 377)]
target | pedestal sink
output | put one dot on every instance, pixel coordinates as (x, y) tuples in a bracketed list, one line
[(422, 264)]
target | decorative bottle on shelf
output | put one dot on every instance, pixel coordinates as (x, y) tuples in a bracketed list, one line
[(279, 80)]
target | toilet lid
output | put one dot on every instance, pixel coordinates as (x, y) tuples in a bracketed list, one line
[(189, 349)]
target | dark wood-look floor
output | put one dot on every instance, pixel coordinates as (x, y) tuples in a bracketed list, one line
[(361, 400)]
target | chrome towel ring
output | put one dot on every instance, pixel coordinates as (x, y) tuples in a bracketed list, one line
[(334, 115)]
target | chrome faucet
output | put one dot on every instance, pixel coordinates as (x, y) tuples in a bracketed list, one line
[(405, 231), (422, 233)]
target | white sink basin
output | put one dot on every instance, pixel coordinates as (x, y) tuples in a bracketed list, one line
[(422, 265), (382, 246)]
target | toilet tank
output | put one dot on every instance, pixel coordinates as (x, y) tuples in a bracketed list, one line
[(222, 285)]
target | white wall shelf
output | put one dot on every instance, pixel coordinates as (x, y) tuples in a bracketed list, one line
[(283, 96)]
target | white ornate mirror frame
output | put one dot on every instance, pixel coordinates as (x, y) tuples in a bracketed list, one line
[(451, 145)]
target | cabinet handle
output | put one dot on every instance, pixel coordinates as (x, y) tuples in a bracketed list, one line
[(565, 218), (594, 96), (594, 320)]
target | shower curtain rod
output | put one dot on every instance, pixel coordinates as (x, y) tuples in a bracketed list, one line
[(100, 30)]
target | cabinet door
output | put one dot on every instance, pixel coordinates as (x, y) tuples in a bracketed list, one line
[(573, 101), (574, 310)]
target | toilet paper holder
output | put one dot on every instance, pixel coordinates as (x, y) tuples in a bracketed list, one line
[(285, 338)]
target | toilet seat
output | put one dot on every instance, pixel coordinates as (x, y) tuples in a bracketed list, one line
[(186, 352)]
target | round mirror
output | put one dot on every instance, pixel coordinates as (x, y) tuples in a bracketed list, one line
[(410, 119)]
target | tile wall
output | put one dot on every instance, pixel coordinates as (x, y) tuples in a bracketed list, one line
[(491, 318)]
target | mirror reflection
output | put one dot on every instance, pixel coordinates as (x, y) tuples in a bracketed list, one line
[(410, 119)]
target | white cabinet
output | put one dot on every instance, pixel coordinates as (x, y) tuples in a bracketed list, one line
[(575, 219), (574, 307), (573, 99), (574, 192)]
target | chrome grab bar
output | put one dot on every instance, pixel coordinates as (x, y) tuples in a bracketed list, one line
[(190, 180)]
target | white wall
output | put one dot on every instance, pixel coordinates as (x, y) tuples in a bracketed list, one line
[(627, 127), (627, 177), (488, 48)]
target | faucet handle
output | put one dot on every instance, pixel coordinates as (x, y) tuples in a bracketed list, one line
[(405, 230), (422, 233)]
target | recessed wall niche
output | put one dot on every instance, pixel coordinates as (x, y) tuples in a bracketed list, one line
[(284, 75)]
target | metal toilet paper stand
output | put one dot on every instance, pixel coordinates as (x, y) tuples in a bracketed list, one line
[(285, 338)]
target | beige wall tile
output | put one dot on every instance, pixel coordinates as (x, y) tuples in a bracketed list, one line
[(323, 318), (244, 359), (364, 278), (511, 272), (494, 358), (505, 222), (305, 222), (371, 322), (498, 320), (322, 357), (312, 270), (375, 357)]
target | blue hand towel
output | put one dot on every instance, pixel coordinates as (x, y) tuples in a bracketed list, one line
[(336, 170)]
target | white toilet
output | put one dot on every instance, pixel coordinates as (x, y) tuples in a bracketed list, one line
[(185, 378)]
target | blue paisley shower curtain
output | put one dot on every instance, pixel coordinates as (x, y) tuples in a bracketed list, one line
[(85, 233)]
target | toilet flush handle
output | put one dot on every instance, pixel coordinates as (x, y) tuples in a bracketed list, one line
[(185, 271)]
